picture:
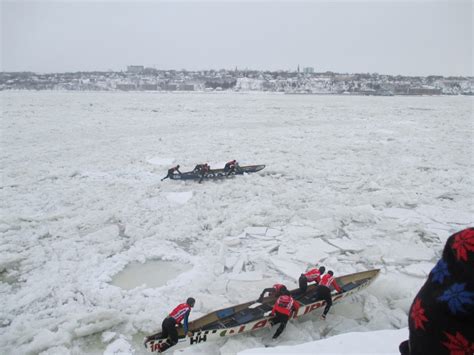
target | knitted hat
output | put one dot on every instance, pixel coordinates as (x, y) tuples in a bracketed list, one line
[(441, 319)]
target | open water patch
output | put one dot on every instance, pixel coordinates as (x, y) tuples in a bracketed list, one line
[(153, 273)]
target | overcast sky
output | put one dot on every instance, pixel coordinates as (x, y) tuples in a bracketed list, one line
[(410, 38)]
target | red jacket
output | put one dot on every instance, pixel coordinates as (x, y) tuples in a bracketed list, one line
[(313, 275), (277, 287), (286, 305), (328, 281), (173, 169), (180, 312)]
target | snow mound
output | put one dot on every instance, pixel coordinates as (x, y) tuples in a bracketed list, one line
[(377, 342), (179, 197), (119, 347)]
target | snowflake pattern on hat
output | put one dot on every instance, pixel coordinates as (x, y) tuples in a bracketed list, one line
[(441, 317), (418, 314), (440, 271), (456, 296), (464, 243)]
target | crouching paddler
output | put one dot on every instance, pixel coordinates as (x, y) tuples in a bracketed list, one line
[(169, 326)]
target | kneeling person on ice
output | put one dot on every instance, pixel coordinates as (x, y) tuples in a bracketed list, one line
[(323, 291), (313, 275), (283, 309), (276, 291), (174, 319)]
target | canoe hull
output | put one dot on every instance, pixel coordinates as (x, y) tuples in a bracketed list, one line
[(217, 173), (200, 336)]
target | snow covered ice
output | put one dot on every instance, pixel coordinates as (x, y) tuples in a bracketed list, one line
[(352, 183)]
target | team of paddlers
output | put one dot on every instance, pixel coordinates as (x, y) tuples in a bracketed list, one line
[(285, 305), (284, 308), (203, 169)]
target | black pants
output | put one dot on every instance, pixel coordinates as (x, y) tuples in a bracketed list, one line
[(166, 177), (303, 282), (168, 330), (203, 174), (324, 293), (282, 319)]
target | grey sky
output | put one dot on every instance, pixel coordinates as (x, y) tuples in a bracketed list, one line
[(410, 38)]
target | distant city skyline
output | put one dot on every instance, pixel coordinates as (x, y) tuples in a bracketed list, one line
[(394, 38)]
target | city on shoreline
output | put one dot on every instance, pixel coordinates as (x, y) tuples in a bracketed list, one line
[(304, 81)]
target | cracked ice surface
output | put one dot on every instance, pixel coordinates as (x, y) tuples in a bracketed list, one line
[(351, 183)]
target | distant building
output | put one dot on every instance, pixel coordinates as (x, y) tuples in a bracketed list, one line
[(186, 87), (135, 69), (401, 89), (126, 87), (150, 71), (424, 91), (170, 87), (148, 87), (308, 70)]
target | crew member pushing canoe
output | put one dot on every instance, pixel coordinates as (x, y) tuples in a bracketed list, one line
[(172, 171), (323, 291), (276, 290), (313, 275), (204, 171), (231, 167), (174, 319), (285, 306)]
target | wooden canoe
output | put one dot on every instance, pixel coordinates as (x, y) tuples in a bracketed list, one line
[(217, 173), (249, 316)]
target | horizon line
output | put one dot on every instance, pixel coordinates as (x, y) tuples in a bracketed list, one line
[(231, 70)]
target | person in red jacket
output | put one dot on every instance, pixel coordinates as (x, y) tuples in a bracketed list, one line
[(171, 172), (198, 168), (276, 290), (204, 171), (323, 291), (230, 166), (313, 275), (283, 309), (174, 319)]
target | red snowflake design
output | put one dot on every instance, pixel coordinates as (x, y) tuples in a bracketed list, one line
[(458, 345), (418, 314), (463, 243)]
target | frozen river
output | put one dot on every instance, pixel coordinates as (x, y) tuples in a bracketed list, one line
[(352, 183)]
